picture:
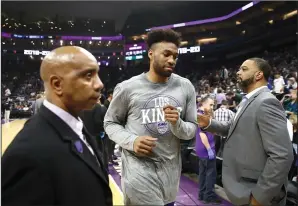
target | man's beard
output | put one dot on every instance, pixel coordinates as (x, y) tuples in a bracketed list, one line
[(245, 83), (159, 69)]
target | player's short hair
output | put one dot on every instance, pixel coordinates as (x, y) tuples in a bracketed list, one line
[(163, 35)]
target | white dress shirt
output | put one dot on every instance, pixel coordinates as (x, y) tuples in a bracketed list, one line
[(75, 124), (249, 95)]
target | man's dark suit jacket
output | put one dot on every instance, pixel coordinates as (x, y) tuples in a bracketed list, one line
[(48, 164), (93, 121)]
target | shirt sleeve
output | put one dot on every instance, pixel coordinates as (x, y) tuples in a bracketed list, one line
[(186, 129), (116, 117)]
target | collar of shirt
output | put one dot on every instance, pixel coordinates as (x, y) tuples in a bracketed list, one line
[(250, 94), (75, 124)]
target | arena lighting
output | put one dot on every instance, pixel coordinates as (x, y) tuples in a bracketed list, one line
[(247, 6), (88, 38), (207, 40), (216, 19), (183, 43), (289, 15), (4, 34), (106, 38)]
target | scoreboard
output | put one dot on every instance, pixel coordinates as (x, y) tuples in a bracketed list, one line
[(193, 49), (135, 51)]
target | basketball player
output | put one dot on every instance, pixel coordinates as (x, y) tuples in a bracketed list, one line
[(147, 117)]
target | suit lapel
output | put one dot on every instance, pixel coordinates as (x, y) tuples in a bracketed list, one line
[(78, 147), (92, 141), (250, 100), (85, 156)]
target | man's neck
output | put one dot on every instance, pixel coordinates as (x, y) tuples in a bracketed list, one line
[(253, 87), (155, 78), (60, 104)]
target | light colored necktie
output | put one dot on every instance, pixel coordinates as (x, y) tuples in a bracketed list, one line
[(241, 105)]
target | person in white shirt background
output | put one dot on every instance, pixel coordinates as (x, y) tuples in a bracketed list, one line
[(279, 85), (292, 83)]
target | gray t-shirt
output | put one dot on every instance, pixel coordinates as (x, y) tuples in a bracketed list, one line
[(137, 110)]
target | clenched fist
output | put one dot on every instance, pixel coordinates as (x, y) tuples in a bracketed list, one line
[(144, 145), (171, 114), (204, 119)]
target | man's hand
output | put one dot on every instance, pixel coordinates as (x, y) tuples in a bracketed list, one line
[(144, 145), (204, 119), (171, 114), (254, 202), (289, 113), (211, 154)]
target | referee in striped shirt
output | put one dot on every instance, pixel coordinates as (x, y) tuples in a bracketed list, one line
[(222, 114)]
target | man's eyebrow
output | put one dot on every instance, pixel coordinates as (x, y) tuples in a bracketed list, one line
[(171, 51), (243, 67), (85, 71)]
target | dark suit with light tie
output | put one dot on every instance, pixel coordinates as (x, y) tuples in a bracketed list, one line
[(48, 164), (258, 153)]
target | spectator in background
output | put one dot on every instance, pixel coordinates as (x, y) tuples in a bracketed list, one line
[(205, 150), (234, 100), (270, 83), (110, 143), (225, 73), (7, 109), (292, 83), (279, 84), (38, 103), (225, 115), (289, 102), (109, 99), (293, 120), (7, 92), (220, 96)]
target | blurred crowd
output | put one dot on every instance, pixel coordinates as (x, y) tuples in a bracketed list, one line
[(21, 87)]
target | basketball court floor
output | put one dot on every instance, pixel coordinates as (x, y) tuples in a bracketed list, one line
[(188, 189)]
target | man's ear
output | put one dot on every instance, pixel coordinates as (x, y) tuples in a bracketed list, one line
[(259, 76), (150, 54), (56, 84)]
